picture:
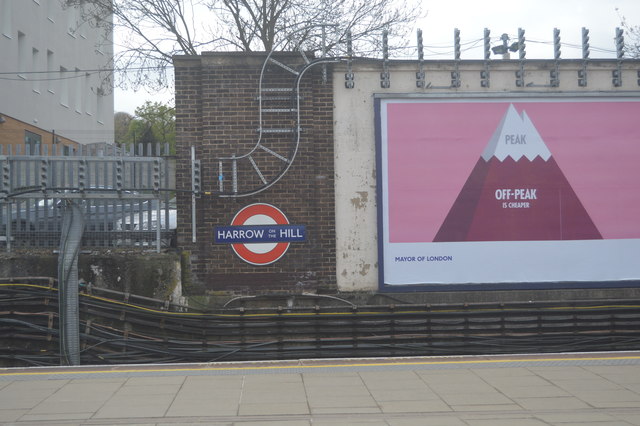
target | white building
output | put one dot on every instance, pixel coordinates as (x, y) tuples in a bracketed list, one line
[(54, 84)]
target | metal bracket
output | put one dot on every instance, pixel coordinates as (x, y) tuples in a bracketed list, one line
[(385, 78)]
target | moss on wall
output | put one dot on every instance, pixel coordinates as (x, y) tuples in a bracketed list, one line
[(156, 275)]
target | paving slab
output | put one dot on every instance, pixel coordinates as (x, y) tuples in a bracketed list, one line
[(154, 380), (199, 408), (350, 421), (615, 423), (507, 422), (426, 421), (282, 396), (564, 389), (573, 385), (516, 381), (476, 398), (532, 391), (187, 423), (50, 417), (141, 406), (339, 401), (24, 399), (486, 407), (432, 406), (345, 410), (136, 390), (594, 396), (69, 407), (629, 417), (555, 403), (273, 408), (11, 415), (279, 423), (577, 417), (404, 394)]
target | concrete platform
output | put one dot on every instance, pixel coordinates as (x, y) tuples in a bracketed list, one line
[(551, 389)]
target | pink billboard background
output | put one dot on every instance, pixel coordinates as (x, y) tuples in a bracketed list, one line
[(433, 147)]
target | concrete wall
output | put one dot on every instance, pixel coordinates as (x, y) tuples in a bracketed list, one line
[(155, 275), (355, 155)]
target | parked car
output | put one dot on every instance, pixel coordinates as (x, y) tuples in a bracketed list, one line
[(38, 222), (140, 229)]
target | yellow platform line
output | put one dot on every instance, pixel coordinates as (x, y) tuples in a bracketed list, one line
[(71, 370)]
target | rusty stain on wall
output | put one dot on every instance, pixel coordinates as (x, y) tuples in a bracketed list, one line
[(364, 268), (361, 200)]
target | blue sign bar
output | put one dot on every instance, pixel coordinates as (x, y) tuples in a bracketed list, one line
[(252, 234)]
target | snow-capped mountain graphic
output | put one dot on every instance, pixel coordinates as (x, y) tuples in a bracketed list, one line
[(516, 137), (517, 192)]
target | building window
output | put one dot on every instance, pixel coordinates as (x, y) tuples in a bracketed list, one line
[(35, 65), (86, 91), (100, 109), (64, 87), (22, 55), (32, 142), (50, 10), (73, 14), (50, 72), (6, 15), (79, 81)]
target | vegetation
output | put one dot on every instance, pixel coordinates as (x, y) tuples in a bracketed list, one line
[(153, 122), (153, 31), (632, 39)]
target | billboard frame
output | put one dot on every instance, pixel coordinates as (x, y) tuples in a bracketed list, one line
[(478, 97)]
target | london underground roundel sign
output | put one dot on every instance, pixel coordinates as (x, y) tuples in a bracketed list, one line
[(259, 234)]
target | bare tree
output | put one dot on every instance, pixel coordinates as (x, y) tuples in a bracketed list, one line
[(150, 33), (632, 39), (153, 31), (315, 24)]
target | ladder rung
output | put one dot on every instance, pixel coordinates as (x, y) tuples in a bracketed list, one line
[(275, 98), (279, 109), (284, 67), (258, 172), (275, 154), (277, 89), (278, 99), (281, 130)]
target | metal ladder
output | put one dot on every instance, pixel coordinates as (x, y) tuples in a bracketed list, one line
[(279, 129)]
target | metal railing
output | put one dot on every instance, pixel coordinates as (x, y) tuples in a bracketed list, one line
[(126, 196)]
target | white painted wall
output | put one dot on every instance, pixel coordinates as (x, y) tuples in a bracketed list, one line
[(37, 38), (354, 127)]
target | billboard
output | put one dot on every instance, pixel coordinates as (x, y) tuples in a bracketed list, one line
[(508, 192)]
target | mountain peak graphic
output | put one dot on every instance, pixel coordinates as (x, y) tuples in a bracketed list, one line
[(517, 192), (516, 137)]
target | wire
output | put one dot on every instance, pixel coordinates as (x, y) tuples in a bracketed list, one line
[(115, 332), (93, 70)]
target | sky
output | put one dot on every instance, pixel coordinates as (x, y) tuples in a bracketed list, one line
[(538, 19)]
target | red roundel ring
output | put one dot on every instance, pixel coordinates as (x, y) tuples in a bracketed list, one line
[(275, 216)]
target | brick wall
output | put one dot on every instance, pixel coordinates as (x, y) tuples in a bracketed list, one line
[(12, 135), (217, 112)]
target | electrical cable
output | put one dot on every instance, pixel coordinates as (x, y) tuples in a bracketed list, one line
[(117, 332)]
